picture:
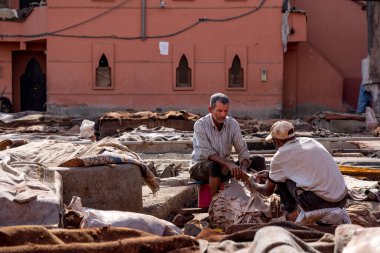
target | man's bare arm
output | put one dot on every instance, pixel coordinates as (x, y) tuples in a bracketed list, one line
[(244, 165), (266, 189), (234, 169)]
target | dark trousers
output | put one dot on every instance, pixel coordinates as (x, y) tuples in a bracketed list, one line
[(291, 196), (204, 170)]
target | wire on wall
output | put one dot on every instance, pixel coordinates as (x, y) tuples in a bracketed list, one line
[(57, 33)]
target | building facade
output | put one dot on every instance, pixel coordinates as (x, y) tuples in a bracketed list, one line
[(85, 57)]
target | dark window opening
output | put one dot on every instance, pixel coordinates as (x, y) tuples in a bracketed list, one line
[(31, 3), (236, 74), (103, 62), (183, 73), (103, 73)]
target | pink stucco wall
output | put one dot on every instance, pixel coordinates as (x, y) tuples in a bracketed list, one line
[(36, 23), (311, 83), (143, 79), (6, 68), (337, 29)]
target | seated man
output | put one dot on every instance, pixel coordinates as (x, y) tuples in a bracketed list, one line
[(214, 136), (305, 173)]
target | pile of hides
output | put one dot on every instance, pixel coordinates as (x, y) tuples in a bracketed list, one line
[(111, 151), (34, 122), (90, 218), (96, 240), (361, 215), (292, 237), (271, 237), (142, 133), (234, 206), (362, 189), (30, 193), (52, 153), (180, 115)]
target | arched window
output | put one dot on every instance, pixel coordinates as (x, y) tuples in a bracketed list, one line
[(183, 73), (236, 74), (103, 73)]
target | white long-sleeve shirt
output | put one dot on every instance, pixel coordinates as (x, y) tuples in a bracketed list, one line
[(208, 140)]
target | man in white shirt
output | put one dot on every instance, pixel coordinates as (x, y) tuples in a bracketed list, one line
[(214, 136), (305, 173)]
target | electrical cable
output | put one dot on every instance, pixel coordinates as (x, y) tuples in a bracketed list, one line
[(66, 28), (91, 19), (204, 19), (56, 33), (95, 37)]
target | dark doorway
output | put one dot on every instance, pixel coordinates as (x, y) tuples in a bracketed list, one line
[(33, 87)]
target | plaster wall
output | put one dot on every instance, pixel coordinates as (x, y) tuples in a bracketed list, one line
[(35, 24), (6, 68), (337, 29), (311, 83), (143, 78)]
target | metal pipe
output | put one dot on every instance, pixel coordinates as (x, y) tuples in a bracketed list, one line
[(143, 19)]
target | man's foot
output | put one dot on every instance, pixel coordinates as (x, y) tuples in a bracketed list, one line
[(292, 216)]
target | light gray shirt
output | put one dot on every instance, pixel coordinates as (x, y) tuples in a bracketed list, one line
[(208, 140), (307, 163)]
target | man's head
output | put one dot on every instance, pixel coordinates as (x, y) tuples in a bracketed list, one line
[(219, 106), (281, 132)]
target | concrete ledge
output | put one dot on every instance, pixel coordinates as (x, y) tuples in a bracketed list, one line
[(342, 126), (169, 201), (104, 187)]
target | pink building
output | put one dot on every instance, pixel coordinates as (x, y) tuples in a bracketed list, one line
[(85, 57), (329, 63)]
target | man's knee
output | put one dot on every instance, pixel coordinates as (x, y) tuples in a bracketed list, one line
[(204, 170)]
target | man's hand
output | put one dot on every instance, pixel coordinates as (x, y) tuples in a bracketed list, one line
[(266, 188), (234, 169), (262, 176)]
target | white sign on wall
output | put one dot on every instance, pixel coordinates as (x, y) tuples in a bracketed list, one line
[(164, 47)]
